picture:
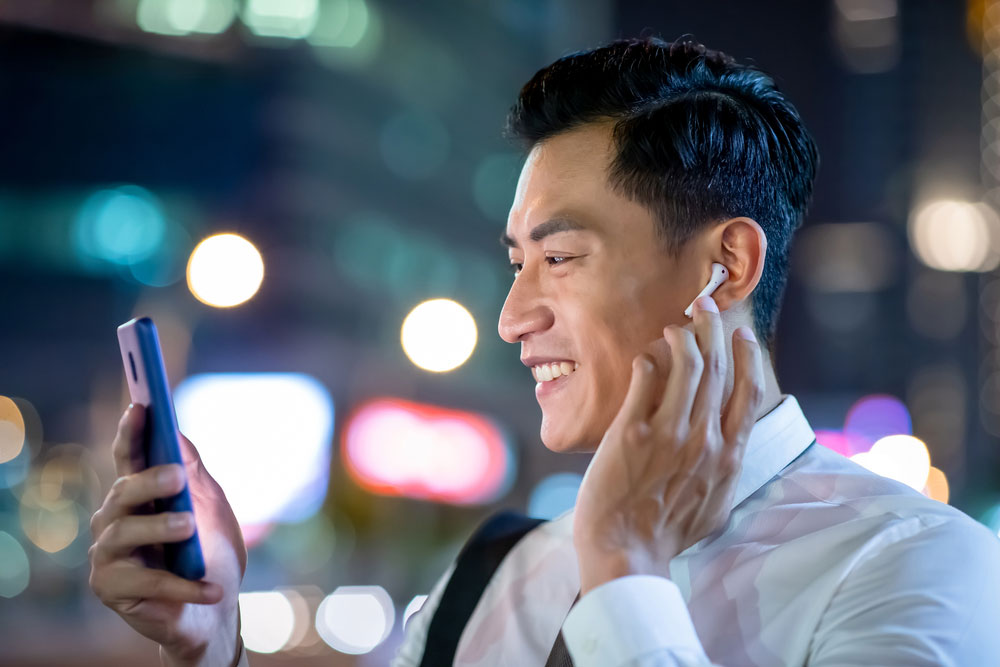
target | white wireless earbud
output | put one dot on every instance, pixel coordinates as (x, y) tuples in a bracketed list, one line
[(719, 275)]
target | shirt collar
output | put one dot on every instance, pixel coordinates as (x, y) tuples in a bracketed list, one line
[(776, 440)]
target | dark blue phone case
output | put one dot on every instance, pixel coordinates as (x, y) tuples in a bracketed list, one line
[(185, 558)]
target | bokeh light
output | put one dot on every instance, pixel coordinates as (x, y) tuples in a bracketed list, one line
[(259, 431), (225, 270), (954, 236), (52, 502), (340, 24), (301, 618), (355, 619), (937, 485), (413, 607), (396, 447), (183, 17), (120, 225), (50, 525), (289, 19), (554, 495), (11, 430), (899, 457), (267, 621), (867, 34), (15, 571), (876, 416), (845, 444), (439, 335)]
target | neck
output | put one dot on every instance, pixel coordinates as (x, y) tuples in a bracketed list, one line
[(772, 393)]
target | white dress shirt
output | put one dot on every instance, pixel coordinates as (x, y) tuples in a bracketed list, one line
[(821, 562)]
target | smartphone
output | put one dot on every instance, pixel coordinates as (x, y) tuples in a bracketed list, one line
[(148, 386)]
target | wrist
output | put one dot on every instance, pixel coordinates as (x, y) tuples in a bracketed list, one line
[(597, 568), (222, 650)]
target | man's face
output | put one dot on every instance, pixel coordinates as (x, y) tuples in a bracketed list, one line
[(595, 286)]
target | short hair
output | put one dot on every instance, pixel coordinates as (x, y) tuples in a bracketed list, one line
[(699, 139)]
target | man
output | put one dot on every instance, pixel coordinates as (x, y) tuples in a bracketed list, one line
[(710, 528)]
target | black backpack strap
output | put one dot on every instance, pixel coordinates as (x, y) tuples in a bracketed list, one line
[(476, 563)]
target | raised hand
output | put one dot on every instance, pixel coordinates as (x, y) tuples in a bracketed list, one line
[(665, 473)]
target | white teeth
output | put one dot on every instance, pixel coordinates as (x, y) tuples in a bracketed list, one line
[(547, 372)]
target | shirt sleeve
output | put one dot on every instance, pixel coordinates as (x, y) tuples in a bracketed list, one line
[(633, 621), (932, 598), (411, 652)]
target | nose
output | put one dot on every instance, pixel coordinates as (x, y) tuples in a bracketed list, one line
[(523, 312)]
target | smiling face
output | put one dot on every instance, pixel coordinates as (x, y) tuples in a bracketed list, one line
[(594, 285)]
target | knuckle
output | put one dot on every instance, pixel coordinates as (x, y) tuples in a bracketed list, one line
[(95, 523), (715, 365), (118, 490), (159, 587), (113, 534)]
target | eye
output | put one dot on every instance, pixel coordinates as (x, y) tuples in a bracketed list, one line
[(515, 268), (555, 260)]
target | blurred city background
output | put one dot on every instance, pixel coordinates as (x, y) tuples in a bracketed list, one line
[(281, 184)]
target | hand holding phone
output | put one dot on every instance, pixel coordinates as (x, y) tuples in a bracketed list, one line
[(192, 621)]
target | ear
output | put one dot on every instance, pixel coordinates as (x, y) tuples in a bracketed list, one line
[(740, 245)]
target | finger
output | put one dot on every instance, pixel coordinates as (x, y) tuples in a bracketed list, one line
[(131, 492), (748, 389), (127, 446), (638, 403), (686, 365), (189, 454), (125, 535), (127, 583), (711, 342)]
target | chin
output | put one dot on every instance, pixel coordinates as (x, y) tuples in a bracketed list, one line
[(560, 441)]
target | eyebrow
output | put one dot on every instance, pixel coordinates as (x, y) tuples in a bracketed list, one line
[(547, 228)]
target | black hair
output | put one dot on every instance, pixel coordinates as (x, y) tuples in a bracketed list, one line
[(699, 139)]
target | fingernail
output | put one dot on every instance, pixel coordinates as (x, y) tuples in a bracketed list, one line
[(179, 520), (746, 333), (168, 477), (708, 304)]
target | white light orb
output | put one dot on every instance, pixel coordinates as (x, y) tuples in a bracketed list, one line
[(439, 335), (899, 457), (265, 437), (267, 621), (289, 19), (224, 270), (954, 236), (355, 619)]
